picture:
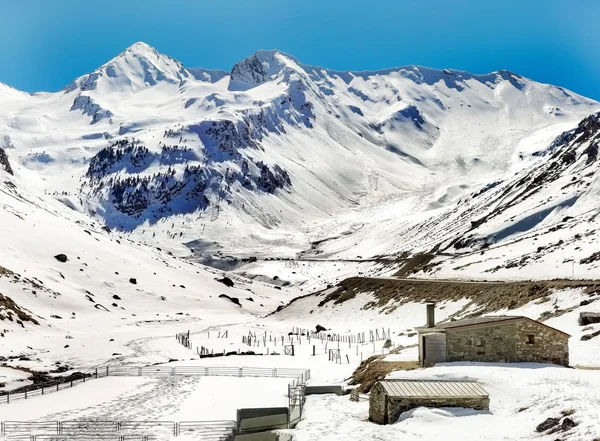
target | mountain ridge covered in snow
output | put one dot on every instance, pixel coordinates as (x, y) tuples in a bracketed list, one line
[(276, 155)]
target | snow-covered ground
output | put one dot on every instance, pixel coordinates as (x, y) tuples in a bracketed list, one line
[(166, 398), (521, 397), (290, 178)]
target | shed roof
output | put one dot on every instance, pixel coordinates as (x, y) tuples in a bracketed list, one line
[(486, 321), (433, 389), (477, 321)]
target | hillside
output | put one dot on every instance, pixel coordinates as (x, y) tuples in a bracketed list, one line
[(73, 292), (276, 158)]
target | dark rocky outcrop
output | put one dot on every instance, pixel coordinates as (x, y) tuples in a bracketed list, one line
[(133, 281), (588, 318), (234, 300), (4, 164), (61, 258), (227, 282), (549, 423)]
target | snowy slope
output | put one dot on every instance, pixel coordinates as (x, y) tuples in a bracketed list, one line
[(538, 223), (266, 159), (110, 292)]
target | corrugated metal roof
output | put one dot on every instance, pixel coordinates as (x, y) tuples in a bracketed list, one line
[(488, 320), (478, 321), (433, 389)]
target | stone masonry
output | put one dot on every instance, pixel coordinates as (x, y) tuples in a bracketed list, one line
[(384, 409), (521, 340)]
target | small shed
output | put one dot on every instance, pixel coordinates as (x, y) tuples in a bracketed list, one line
[(389, 398)]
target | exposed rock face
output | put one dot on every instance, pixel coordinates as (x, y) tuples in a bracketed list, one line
[(233, 300), (144, 195), (4, 164), (250, 70), (549, 423), (227, 282), (588, 318), (89, 107)]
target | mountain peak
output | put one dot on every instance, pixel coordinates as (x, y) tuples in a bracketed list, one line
[(262, 66), (137, 67), (141, 49)]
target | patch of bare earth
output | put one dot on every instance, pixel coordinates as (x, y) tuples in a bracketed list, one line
[(488, 296), (371, 370)]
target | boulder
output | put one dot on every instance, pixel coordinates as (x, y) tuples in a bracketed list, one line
[(234, 300), (320, 328), (116, 297), (227, 282), (61, 258), (133, 281), (587, 318), (567, 424), (549, 423)]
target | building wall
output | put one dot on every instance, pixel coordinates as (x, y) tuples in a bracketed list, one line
[(381, 414), (396, 406), (492, 343), (538, 343), (509, 342), (377, 399)]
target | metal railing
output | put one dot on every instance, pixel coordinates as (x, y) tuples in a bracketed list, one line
[(114, 430), (210, 430), (301, 375)]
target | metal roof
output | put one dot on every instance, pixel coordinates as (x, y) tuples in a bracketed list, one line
[(478, 321), (484, 321), (433, 389)]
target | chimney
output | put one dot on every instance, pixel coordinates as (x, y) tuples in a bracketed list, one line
[(430, 315)]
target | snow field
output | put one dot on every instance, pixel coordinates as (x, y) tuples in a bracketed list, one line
[(169, 398), (521, 397)]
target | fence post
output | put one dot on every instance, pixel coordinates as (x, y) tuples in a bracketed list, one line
[(139, 371), (25, 394), (107, 371), (240, 372)]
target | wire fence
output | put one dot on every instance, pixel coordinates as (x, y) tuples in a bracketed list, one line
[(148, 430), (300, 376), (115, 430)]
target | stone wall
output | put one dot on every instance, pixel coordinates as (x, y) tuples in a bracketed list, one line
[(377, 399), (538, 343), (491, 343), (396, 406), (520, 341)]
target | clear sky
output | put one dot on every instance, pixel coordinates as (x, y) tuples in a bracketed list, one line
[(44, 44)]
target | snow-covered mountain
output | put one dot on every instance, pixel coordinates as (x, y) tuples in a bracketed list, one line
[(276, 155)]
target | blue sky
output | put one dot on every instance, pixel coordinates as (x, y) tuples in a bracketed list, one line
[(45, 44)]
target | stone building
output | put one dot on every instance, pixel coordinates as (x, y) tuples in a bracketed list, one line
[(389, 398), (491, 339)]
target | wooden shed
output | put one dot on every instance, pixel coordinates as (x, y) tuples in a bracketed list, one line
[(390, 398)]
